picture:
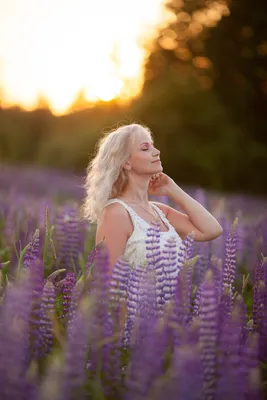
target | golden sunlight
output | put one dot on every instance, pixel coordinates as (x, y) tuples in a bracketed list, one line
[(56, 48)]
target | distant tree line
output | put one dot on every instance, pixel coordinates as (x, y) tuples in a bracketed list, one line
[(204, 98)]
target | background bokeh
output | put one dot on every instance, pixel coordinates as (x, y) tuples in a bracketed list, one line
[(194, 72), (202, 87)]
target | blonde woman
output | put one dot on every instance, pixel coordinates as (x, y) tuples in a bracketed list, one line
[(124, 172)]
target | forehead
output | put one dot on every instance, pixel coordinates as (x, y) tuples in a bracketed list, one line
[(140, 137)]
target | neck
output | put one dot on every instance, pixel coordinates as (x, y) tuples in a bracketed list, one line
[(137, 191), (135, 198)]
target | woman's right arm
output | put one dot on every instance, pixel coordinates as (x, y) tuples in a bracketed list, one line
[(114, 228)]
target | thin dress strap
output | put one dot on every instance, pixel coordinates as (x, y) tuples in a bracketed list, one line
[(161, 214), (137, 220)]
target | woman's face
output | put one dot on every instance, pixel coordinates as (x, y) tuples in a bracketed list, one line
[(144, 158)]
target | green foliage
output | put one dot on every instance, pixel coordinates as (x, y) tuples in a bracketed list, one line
[(204, 98)]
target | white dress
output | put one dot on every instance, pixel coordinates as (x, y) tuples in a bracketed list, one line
[(136, 248), (135, 254)]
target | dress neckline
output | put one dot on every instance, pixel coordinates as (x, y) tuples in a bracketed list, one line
[(142, 219)]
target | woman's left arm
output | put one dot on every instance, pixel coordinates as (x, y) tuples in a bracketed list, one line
[(196, 219)]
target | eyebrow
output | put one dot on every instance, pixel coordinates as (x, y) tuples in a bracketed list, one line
[(147, 143)]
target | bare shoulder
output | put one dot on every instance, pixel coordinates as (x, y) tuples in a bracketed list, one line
[(113, 218), (114, 209)]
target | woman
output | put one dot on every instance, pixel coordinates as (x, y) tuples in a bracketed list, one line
[(125, 171)]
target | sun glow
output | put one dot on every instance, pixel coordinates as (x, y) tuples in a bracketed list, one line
[(56, 48)]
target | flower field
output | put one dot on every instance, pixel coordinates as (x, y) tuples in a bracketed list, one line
[(69, 329)]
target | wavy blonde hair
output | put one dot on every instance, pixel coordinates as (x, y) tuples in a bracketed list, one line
[(105, 175)]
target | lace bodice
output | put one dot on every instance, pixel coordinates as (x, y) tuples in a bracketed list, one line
[(135, 254), (135, 250)]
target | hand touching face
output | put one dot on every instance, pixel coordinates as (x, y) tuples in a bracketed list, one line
[(159, 184)]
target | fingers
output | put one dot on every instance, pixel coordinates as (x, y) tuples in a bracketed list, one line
[(155, 176)]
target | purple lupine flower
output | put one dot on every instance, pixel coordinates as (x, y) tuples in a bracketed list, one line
[(91, 258), (147, 305), (182, 297), (36, 271), (99, 295), (149, 347), (259, 305), (208, 334), (33, 250), (67, 289), (58, 284), (182, 311), (220, 242), (251, 247), (75, 299), (68, 237), (46, 324), (250, 368), (181, 282), (75, 355), (146, 364), (115, 324), (110, 357), (14, 338), (35, 337), (169, 272), (106, 341), (189, 242), (257, 276), (197, 298), (188, 294), (156, 262), (191, 330), (261, 323), (229, 270), (225, 306), (217, 269), (259, 294), (135, 291), (263, 333), (185, 250), (110, 351), (230, 379), (152, 243), (202, 262), (100, 281), (184, 378), (132, 301), (240, 303), (119, 282)]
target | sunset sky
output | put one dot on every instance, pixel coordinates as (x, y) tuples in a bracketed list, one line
[(55, 48)]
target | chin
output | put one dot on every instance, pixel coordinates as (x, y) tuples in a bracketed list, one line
[(157, 168)]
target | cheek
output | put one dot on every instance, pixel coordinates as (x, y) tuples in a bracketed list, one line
[(140, 158), (140, 161)]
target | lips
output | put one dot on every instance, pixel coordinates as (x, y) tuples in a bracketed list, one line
[(155, 161)]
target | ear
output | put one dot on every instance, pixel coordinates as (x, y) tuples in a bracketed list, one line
[(127, 166)]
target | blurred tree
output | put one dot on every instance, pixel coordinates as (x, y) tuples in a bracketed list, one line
[(220, 46), (238, 50)]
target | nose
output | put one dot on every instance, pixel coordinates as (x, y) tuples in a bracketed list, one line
[(157, 153)]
